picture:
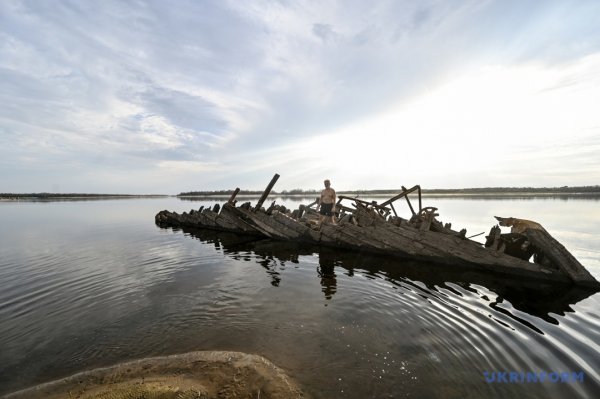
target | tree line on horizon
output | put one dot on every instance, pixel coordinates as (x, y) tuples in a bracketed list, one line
[(298, 191), (69, 195), (480, 190)]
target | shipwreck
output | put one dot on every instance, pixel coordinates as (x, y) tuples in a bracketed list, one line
[(528, 251)]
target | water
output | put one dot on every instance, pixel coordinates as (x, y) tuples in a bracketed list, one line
[(93, 283)]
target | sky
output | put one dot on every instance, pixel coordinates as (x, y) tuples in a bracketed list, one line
[(160, 97)]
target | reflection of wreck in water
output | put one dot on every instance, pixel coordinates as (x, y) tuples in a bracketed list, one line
[(377, 228), (533, 297), (326, 271)]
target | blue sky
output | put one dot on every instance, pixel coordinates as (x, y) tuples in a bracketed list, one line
[(164, 97)]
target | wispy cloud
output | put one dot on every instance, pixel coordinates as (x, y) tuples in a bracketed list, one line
[(92, 89)]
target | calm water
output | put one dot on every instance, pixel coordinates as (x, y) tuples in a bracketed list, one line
[(94, 283)]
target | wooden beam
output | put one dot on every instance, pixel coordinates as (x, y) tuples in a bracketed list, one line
[(265, 193), (233, 195)]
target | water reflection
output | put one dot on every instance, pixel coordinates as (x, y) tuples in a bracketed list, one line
[(91, 284), (541, 299), (326, 271)]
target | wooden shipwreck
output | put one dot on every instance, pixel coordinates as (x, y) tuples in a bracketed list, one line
[(377, 228)]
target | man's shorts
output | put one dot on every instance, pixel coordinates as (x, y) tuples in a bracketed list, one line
[(326, 210)]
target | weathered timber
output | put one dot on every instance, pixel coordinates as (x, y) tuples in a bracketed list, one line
[(265, 193), (557, 254), (228, 212), (374, 234), (303, 231), (233, 195), (270, 226), (205, 218), (368, 227), (194, 218)]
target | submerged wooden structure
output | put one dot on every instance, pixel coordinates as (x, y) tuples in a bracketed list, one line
[(377, 228)]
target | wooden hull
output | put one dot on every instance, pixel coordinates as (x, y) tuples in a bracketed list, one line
[(367, 231)]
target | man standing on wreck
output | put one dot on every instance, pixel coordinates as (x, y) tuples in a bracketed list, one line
[(327, 203)]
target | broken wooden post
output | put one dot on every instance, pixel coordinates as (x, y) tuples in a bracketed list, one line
[(428, 215), (237, 190), (265, 194), (494, 240)]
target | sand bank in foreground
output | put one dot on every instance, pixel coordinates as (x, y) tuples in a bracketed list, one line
[(194, 375)]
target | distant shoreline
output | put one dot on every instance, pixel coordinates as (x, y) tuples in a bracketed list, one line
[(390, 194), (55, 197), (489, 192), (505, 192)]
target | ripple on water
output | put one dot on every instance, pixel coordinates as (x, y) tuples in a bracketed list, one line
[(344, 324)]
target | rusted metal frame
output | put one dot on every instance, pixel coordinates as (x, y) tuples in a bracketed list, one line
[(393, 209), (404, 194), (367, 203)]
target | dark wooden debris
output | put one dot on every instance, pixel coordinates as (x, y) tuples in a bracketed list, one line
[(265, 194), (377, 228)]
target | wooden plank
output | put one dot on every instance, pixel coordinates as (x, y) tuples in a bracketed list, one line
[(233, 195), (265, 193), (241, 226), (559, 256)]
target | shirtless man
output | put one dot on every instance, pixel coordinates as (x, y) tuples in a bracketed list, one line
[(327, 203)]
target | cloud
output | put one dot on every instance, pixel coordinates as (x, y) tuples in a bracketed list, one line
[(244, 87), (323, 31), (489, 126)]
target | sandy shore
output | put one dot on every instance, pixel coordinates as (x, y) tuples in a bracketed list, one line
[(194, 375)]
